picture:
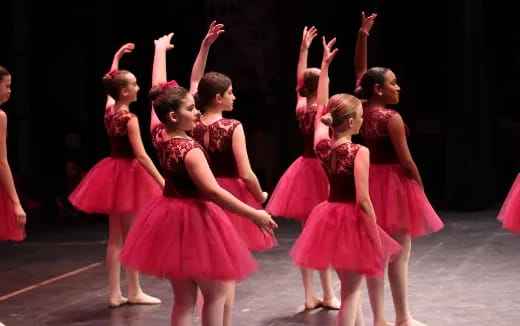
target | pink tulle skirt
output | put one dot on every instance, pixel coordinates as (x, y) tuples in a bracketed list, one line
[(340, 236), (303, 186), (115, 186), (186, 239), (9, 230), (254, 238), (400, 203), (509, 214)]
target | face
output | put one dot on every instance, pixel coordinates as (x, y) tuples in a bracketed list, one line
[(226, 100), (186, 116), (390, 90), (357, 122), (131, 89), (5, 89)]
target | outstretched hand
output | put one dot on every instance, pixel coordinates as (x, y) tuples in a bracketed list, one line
[(214, 32), (164, 42), (367, 23), (308, 36), (328, 52), (127, 48)]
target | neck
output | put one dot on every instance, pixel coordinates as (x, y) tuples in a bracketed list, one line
[(121, 106), (212, 113), (339, 136), (173, 131), (311, 100), (375, 102)]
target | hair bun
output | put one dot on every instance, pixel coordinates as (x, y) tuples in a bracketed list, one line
[(327, 119)]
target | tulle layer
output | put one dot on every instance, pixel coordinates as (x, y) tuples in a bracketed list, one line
[(509, 214), (9, 230), (253, 237), (115, 186), (400, 203), (303, 186), (186, 239), (340, 236)]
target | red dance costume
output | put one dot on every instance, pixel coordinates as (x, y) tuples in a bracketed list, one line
[(180, 235), (117, 185), (338, 234), (217, 139), (509, 214), (399, 202), (304, 184)]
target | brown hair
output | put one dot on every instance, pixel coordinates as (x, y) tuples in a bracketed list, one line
[(167, 99), (114, 81), (211, 84), (309, 84), (371, 77)]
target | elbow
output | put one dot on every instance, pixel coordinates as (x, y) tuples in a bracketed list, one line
[(4, 164), (408, 168), (247, 177), (212, 194), (142, 158)]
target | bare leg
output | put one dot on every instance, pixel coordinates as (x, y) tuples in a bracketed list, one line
[(135, 293), (311, 299), (215, 293), (398, 277), (184, 299), (114, 245), (228, 305), (376, 293), (350, 299), (329, 298)]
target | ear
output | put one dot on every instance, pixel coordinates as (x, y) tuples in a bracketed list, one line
[(350, 122), (172, 117), (378, 89), (218, 98), (124, 91)]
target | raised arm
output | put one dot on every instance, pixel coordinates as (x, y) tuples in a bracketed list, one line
[(321, 131), (361, 167), (199, 65), (134, 135), (360, 55), (201, 175), (162, 45), (127, 48), (6, 177), (397, 133), (244, 167), (307, 37)]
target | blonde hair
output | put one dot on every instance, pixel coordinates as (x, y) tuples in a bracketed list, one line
[(340, 108)]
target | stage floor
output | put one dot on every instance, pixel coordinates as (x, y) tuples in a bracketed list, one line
[(465, 275)]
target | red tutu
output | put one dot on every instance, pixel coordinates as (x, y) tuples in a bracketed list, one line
[(186, 239), (400, 203), (254, 238), (509, 214), (340, 236), (115, 186), (9, 230), (303, 186)]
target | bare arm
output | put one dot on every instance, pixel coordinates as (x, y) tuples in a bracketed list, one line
[(361, 167), (360, 55), (199, 65), (397, 133), (6, 177), (321, 131), (244, 167), (307, 37), (201, 175), (162, 45), (127, 48), (134, 136)]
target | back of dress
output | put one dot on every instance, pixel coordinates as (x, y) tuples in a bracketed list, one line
[(339, 166), (116, 127), (305, 116), (217, 139)]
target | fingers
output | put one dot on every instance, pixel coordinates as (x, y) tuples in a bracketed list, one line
[(331, 43)]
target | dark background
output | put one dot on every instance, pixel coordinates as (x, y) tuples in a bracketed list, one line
[(457, 62)]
